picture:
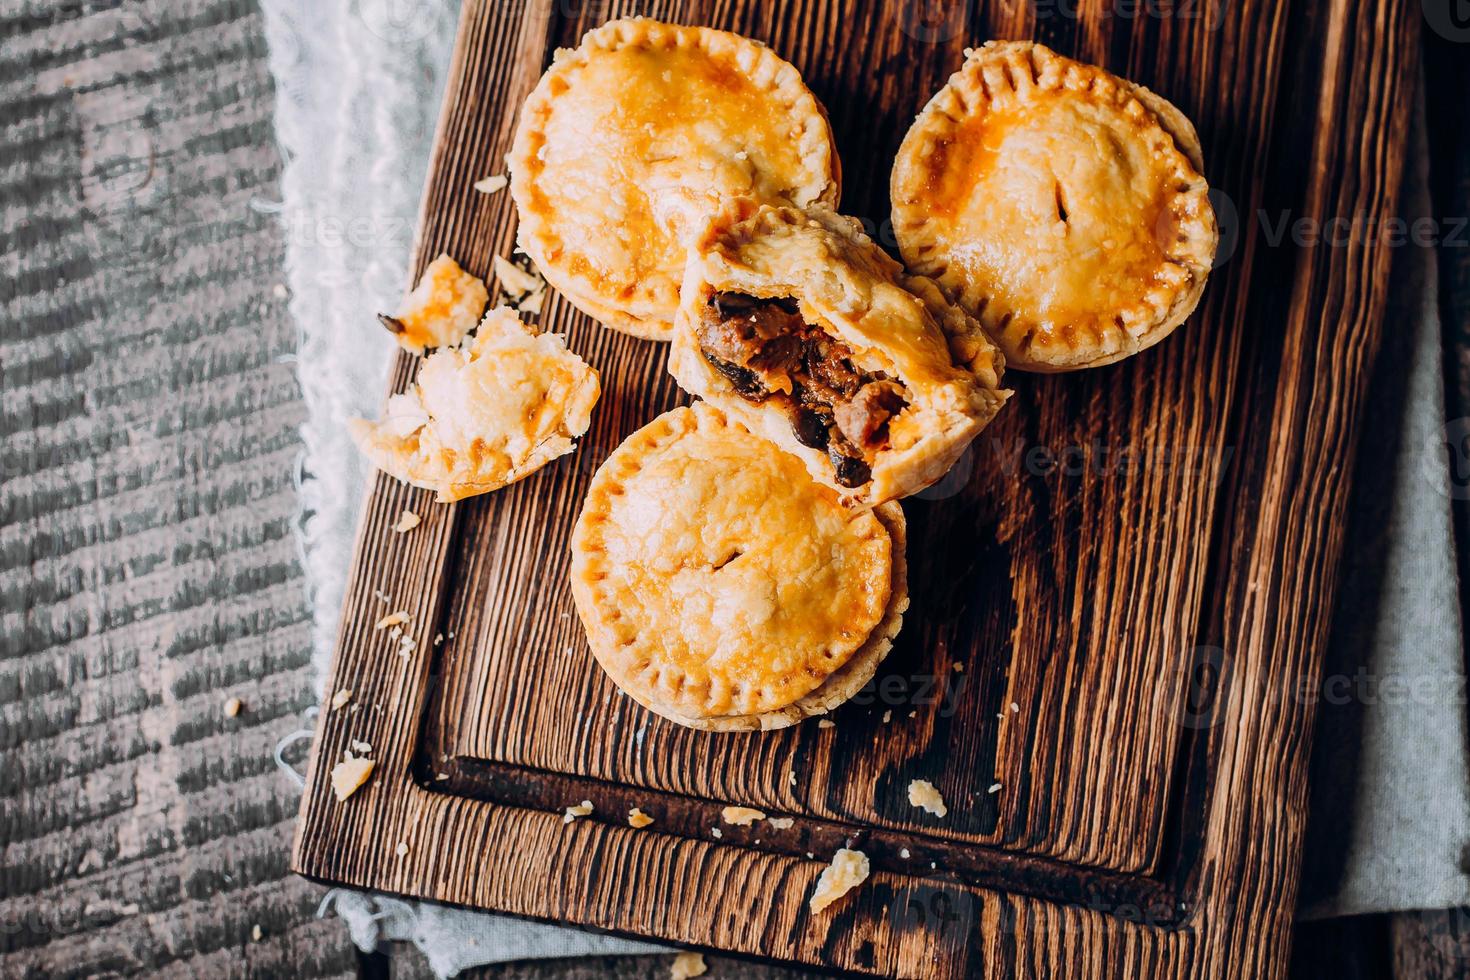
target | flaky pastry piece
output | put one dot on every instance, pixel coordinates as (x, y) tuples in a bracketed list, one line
[(805, 331), (477, 420), (1061, 205), (631, 140), (441, 310), (724, 589)]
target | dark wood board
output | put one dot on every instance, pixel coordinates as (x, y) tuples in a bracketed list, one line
[(1140, 559)]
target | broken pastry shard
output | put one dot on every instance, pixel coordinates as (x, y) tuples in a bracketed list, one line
[(847, 870), (476, 421), (804, 331), (349, 775), (442, 309)]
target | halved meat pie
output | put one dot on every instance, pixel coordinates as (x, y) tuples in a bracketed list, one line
[(801, 328)]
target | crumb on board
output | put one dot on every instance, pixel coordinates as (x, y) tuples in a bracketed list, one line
[(791, 778), (392, 619), (687, 966), (741, 816), (341, 698), (492, 184), (959, 668), (903, 852), (887, 717), (781, 823), (407, 521), (401, 850), (923, 794), (233, 707), (440, 777), (848, 869), (1015, 706), (515, 282), (438, 638), (580, 810), (638, 819), (718, 833), (349, 775), (826, 723), (256, 933), (994, 788), (361, 748)]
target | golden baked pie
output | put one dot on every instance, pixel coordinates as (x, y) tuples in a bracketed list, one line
[(441, 310), (799, 327), (723, 588), (1061, 205), (630, 141), (477, 420)]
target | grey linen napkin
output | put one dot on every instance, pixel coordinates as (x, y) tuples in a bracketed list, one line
[(1390, 787), (359, 83)]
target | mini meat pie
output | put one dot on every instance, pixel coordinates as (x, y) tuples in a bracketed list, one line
[(441, 310), (630, 142), (723, 588), (476, 421), (799, 327), (1061, 205)]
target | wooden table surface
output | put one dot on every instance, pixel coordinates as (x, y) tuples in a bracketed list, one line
[(147, 572)]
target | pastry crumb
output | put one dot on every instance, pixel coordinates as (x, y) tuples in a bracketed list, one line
[(361, 748), (959, 668), (580, 810), (887, 717), (256, 933), (440, 777), (349, 775), (848, 869), (401, 849), (781, 823), (341, 698), (515, 282), (994, 788), (903, 852), (1015, 706), (791, 778), (741, 816), (438, 638), (718, 833), (826, 723), (491, 185), (392, 619), (407, 521), (686, 966), (638, 819), (922, 793), (233, 707)]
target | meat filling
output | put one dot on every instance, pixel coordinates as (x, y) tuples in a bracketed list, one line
[(768, 352)]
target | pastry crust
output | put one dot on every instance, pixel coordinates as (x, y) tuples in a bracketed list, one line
[(894, 323), (476, 421), (1061, 205), (441, 310), (722, 588), (631, 140)]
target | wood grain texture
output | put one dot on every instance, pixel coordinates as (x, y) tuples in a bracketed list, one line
[(1140, 559), (148, 443)]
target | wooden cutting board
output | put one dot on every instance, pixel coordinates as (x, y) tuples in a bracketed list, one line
[(1119, 597)]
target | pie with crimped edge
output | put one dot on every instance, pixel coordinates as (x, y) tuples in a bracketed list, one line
[(630, 141), (724, 589), (801, 328), (1061, 205)]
